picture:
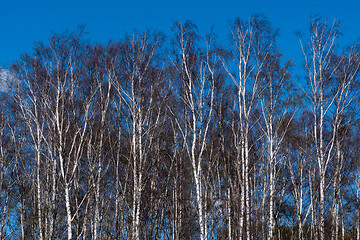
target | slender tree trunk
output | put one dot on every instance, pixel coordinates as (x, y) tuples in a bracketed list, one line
[(271, 181), (357, 182), (135, 187), (53, 197), (336, 194), (38, 187), (321, 166), (68, 212), (247, 187), (228, 213), (242, 190)]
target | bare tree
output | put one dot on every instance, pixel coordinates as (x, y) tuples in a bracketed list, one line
[(31, 106), (196, 83), (129, 140), (139, 97), (345, 105), (251, 49), (331, 79), (9, 157), (56, 119), (277, 115), (320, 71)]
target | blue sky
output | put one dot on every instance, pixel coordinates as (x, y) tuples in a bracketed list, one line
[(23, 22)]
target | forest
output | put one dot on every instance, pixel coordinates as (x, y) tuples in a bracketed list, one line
[(180, 136)]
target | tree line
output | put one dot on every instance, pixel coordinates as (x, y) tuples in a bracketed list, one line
[(182, 137)]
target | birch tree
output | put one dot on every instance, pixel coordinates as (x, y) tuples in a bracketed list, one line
[(197, 78), (296, 148), (98, 78), (64, 112), (31, 105), (277, 114), (10, 150), (139, 96), (54, 94), (345, 91), (319, 73), (248, 54), (331, 79)]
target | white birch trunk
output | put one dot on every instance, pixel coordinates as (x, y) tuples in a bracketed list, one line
[(141, 162), (38, 187), (53, 197), (228, 213), (272, 194), (135, 187), (68, 212), (22, 219), (321, 170), (247, 187)]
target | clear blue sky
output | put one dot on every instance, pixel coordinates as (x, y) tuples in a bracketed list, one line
[(23, 22)]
